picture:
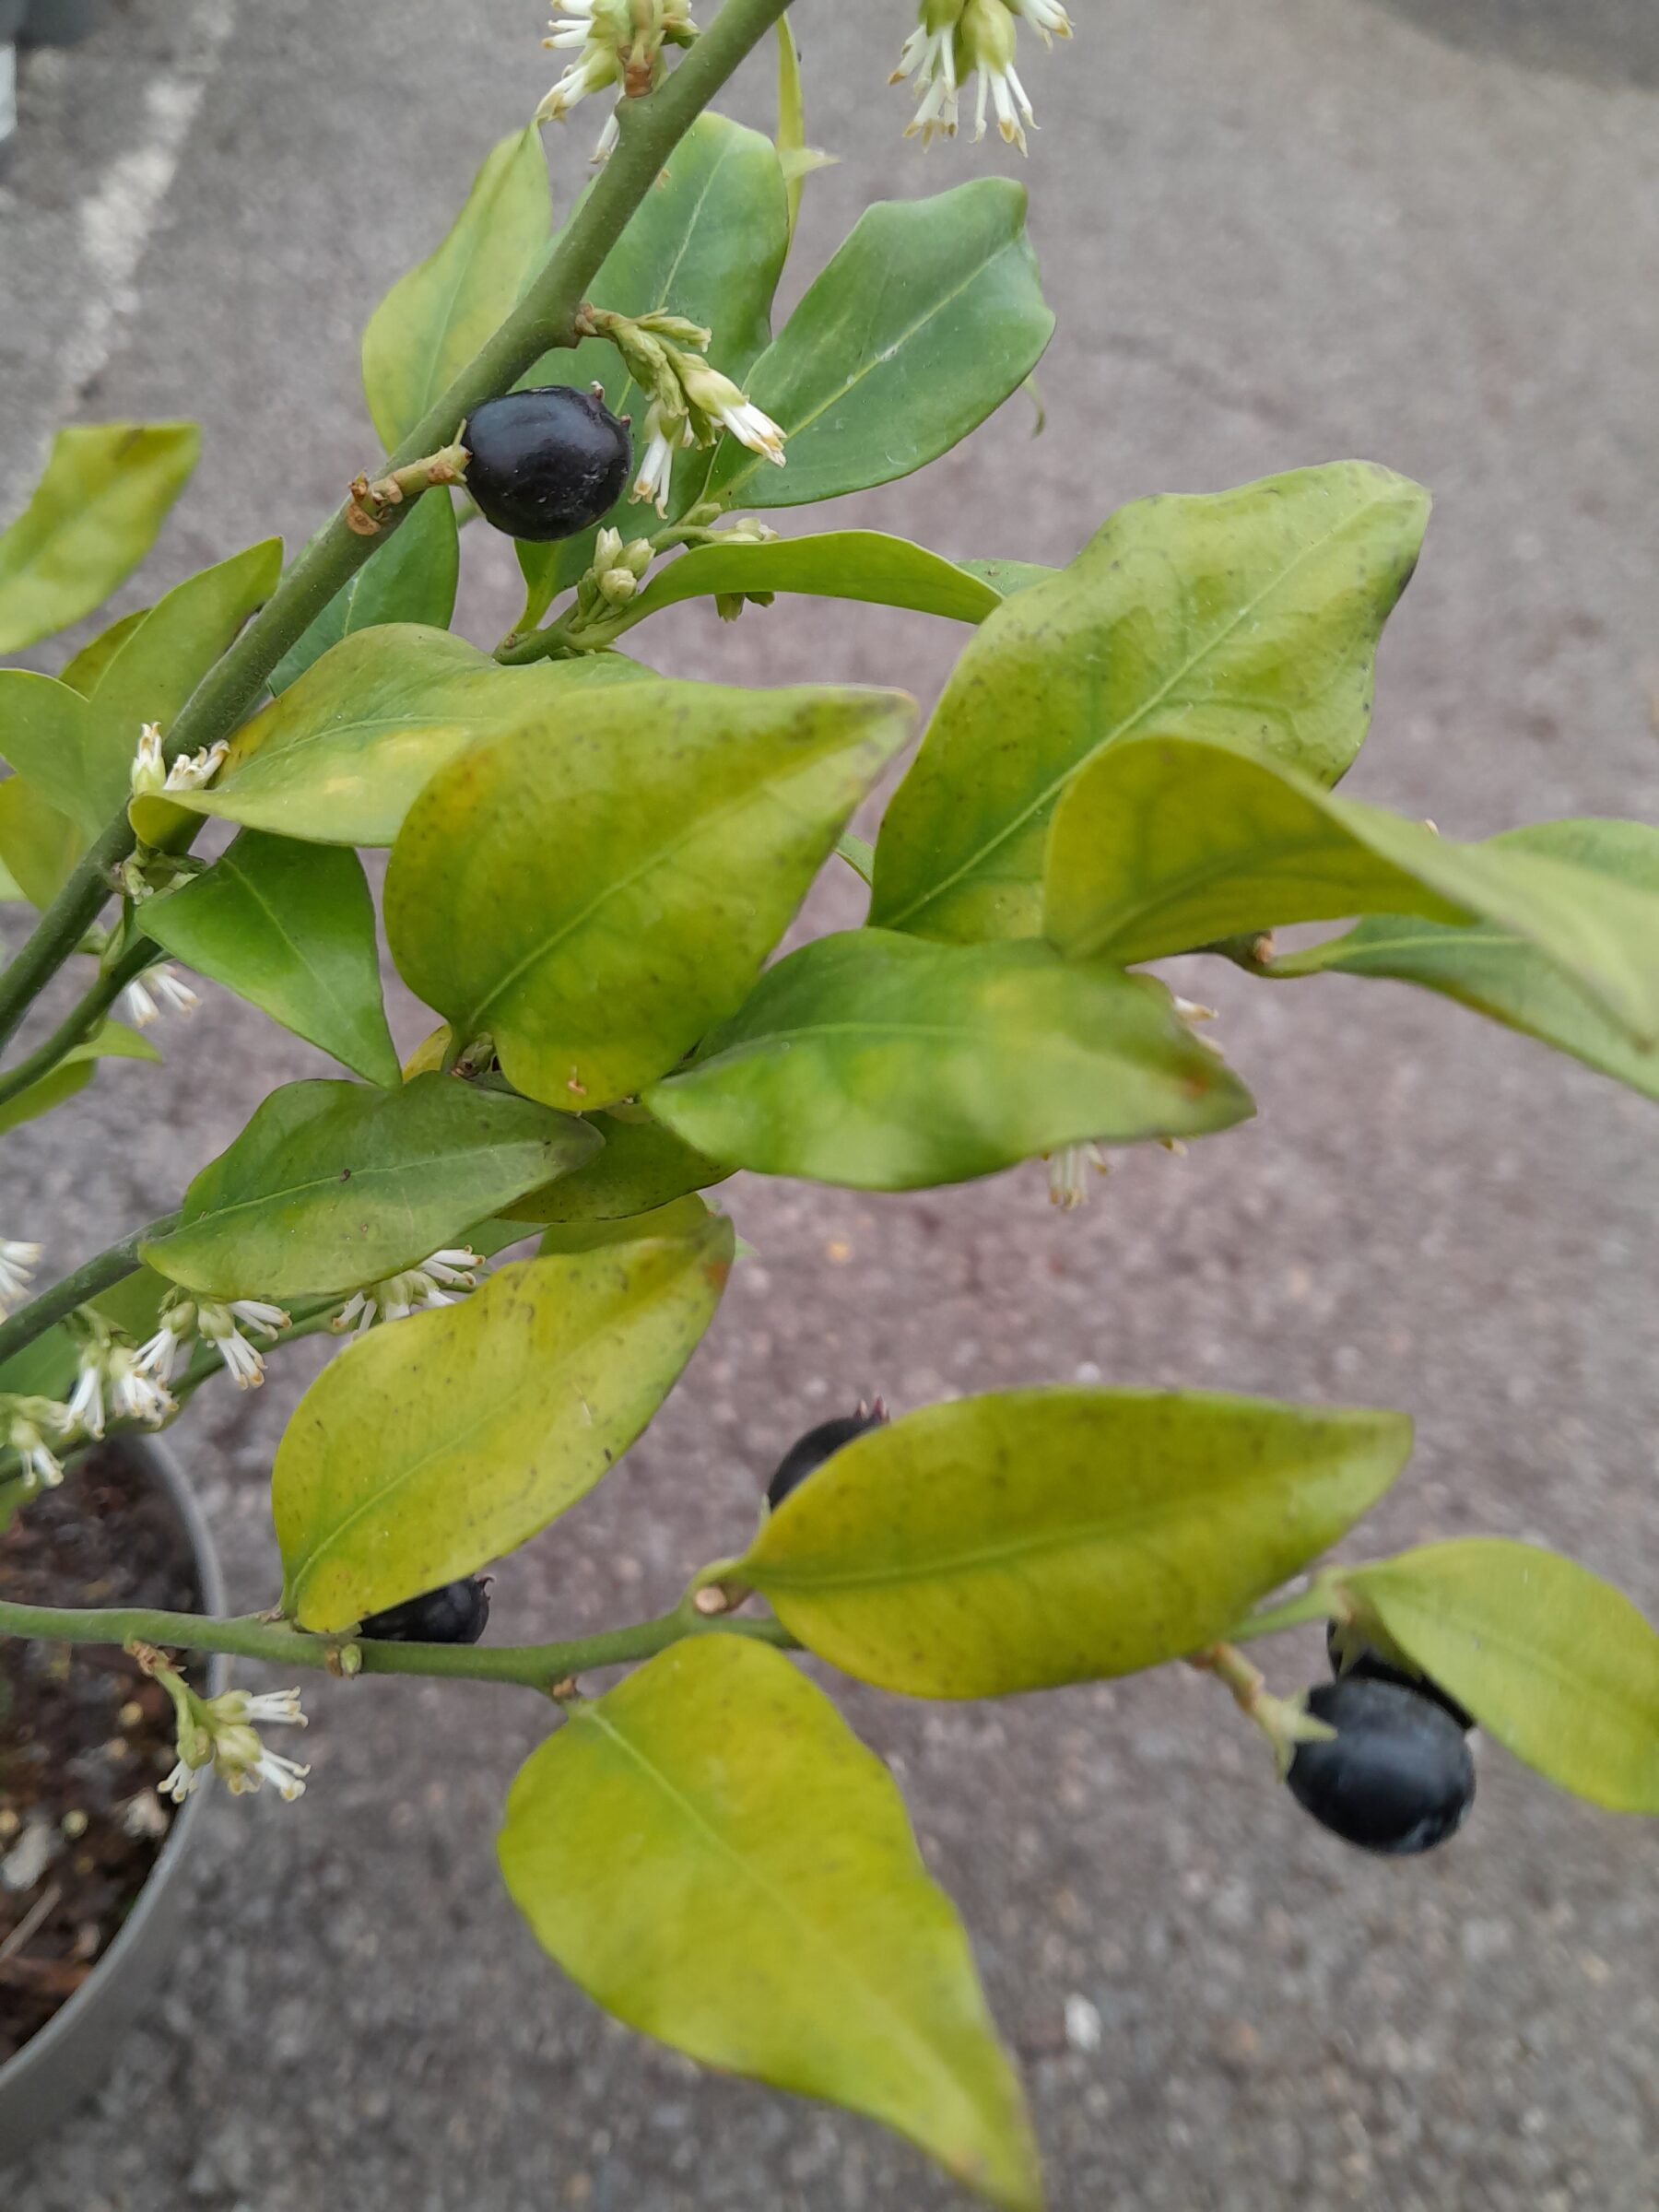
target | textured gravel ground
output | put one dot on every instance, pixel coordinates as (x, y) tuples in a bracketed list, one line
[(1277, 232)]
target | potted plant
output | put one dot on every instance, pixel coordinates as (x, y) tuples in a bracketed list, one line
[(592, 867)]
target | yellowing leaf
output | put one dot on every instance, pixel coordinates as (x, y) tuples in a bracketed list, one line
[(1033, 1538), (710, 1853)]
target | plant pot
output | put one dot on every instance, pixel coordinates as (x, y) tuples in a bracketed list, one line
[(60, 22), (73, 2053)]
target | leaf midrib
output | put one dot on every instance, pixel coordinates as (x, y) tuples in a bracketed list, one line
[(1179, 675), (359, 1176)]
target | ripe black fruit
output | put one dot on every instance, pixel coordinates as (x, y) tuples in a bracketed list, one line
[(1397, 1777), (546, 464), (457, 1614), (808, 1452), (1367, 1665)]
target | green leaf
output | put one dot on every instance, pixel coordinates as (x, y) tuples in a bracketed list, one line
[(841, 564), (708, 243), (38, 844), (1007, 577), (74, 1072), (434, 319), (1164, 844), (597, 903), (1039, 1536), (83, 672), (437, 1444), (290, 928), (78, 750), (412, 578), (50, 733), (1251, 618), (332, 1185), (340, 756), (1495, 970), (921, 326), (795, 158), (888, 1063), (155, 670), (642, 1166), (93, 517), (1555, 1663), (712, 1855)]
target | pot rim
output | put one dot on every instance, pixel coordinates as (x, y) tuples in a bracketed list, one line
[(38, 2054)]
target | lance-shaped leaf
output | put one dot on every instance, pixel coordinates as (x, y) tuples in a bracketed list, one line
[(708, 242), (1555, 1663), (93, 517), (713, 1856), (1038, 1536), (925, 320), (332, 1185), (888, 1063), (642, 1166), (290, 928), (49, 732), (1251, 618), (1166, 843), (74, 1072), (433, 320), (339, 758), (1495, 970), (412, 578), (440, 1443), (841, 564), (595, 903), (38, 844)]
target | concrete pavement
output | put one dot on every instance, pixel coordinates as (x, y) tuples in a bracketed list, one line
[(1276, 233)]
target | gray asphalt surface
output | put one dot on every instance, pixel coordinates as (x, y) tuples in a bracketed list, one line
[(1276, 233)]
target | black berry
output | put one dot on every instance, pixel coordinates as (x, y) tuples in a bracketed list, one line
[(1396, 1778), (1363, 1664), (808, 1452), (457, 1614), (546, 464)]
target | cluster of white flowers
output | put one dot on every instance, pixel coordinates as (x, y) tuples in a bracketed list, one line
[(111, 1386), (691, 402), (221, 1734), (433, 1283), (956, 41), (618, 42), (219, 1321)]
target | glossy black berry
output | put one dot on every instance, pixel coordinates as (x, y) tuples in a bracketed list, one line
[(808, 1452), (546, 464), (1396, 1778), (1363, 1664), (457, 1614)]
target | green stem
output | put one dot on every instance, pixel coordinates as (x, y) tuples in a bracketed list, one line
[(78, 1024), (650, 128), (96, 1274), (533, 1665)]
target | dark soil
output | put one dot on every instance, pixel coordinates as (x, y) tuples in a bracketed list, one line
[(84, 1738)]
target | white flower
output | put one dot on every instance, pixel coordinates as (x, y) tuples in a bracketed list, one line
[(717, 398), (416, 1289), (183, 1782), (989, 42), (87, 1400), (287, 1776), (18, 1264), (1068, 1186), (26, 1420), (166, 1353), (134, 1395), (929, 60), (218, 1321), (149, 769), (159, 989), (191, 771), (280, 1707), (1047, 19), (661, 435)]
